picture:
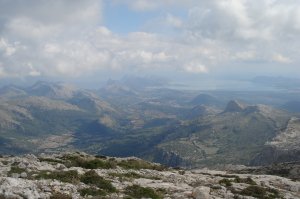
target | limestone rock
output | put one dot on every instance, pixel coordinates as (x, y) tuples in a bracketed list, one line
[(193, 184), (201, 193)]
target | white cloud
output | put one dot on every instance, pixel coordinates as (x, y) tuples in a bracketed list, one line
[(7, 48), (59, 38), (150, 5), (53, 12), (26, 28), (174, 21), (244, 55), (281, 59), (194, 67)]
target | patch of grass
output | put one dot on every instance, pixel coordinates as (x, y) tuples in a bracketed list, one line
[(215, 187), (77, 161), (101, 156), (247, 180), (181, 172), (51, 160), (71, 176), (97, 163), (15, 163), (4, 162), (279, 172), (260, 192), (140, 164), (136, 191), (60, 196), (226, 176), (132, 175), (225, 182), (92, 178), (91, 192), (16, 169), (126, 175)]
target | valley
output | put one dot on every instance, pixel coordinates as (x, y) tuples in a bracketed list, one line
[(186, 128)]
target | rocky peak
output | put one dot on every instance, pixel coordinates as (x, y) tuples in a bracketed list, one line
[(234, 106)]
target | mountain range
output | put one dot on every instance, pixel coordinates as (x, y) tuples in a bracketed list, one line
[(184, 128)]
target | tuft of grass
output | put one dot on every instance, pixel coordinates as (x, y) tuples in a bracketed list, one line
[(60, 196), (92, 192), (16, 169), (226, 176), (260, 192), (247, 180), (71, 176), (132, 175), (126, 175), (101, 156), (51, 160), (225, 182), (92, 178), (4, 162), (77, 161), (181, 172), (140, 164), (136, 191)]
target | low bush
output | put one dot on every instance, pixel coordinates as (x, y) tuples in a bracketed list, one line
[(139, 164), (91, 192), (51, 160), (247, 180), (225, 182), (260, 192), (126, 175), (136, 191), (92, 178), (77, 161), (71, 176), (132, 175), (16, 169), (60, 196)]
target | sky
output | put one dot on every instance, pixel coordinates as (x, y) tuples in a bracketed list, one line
[(92, 40)]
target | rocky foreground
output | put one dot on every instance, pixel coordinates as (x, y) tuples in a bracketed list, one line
[(78, 175)]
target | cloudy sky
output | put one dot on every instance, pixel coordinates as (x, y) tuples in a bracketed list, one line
[(90, 39)]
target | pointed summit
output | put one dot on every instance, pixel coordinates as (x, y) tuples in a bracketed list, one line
[(234, 106)]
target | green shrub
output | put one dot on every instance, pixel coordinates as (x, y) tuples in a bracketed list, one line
[(4, 162), (60, 196), (132, 175), (101, 156), (97, 164), (139, 164), (226, 176), (16, 169), (225, 182), (247, 180), (92, 192), (126, 175), (137, 191), (50, 160), (260, 192), (76, 161), (92, 178), (255, 191), (71, 176)]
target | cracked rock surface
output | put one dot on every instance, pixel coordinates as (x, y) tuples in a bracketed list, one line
[(79, 175)]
